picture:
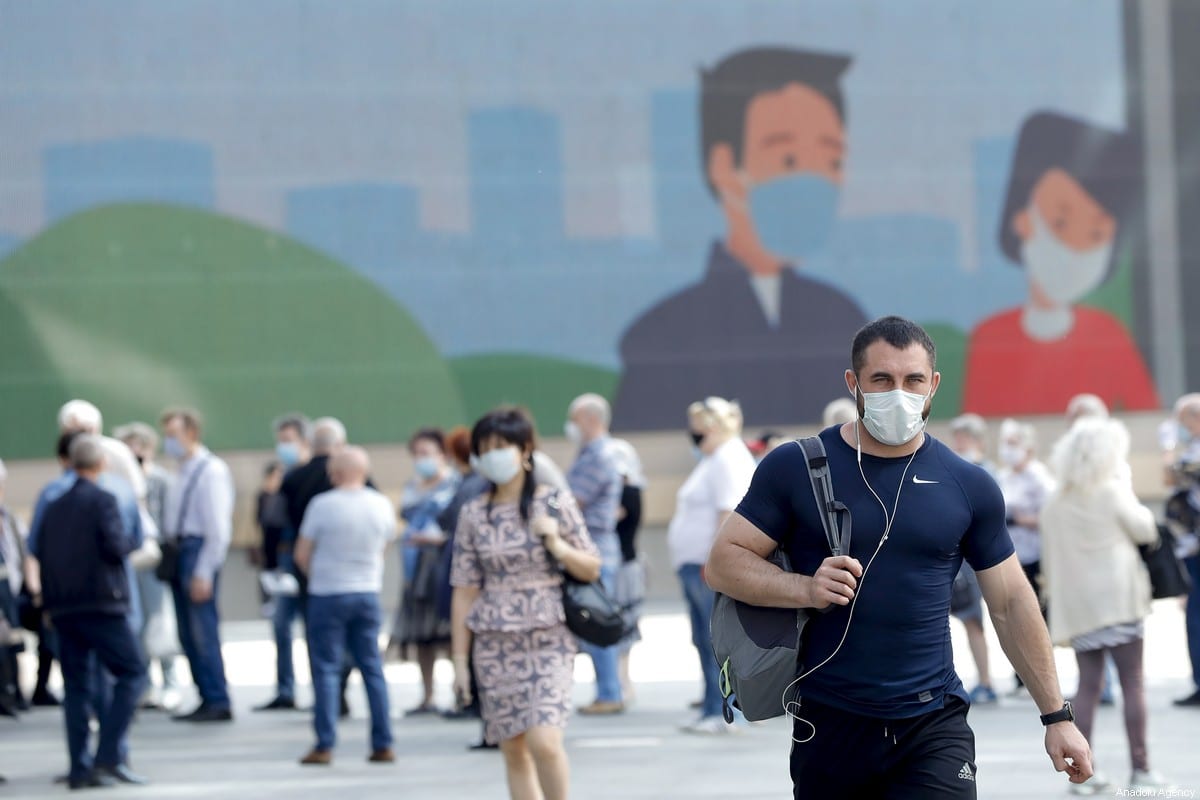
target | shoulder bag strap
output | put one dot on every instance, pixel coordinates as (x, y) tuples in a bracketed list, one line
[(187, 496), (835, 517)]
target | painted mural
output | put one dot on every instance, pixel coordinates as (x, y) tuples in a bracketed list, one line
[(404, 213)]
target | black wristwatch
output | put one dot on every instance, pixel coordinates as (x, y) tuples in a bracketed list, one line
[(1064, 714)]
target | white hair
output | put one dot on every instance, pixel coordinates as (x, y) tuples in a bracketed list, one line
[(1023, 432), (717, 413), (1188, 403), (1090, 453), (328, 433), (593, 404), (839, 411), (80, 415), (1086, 405), (972, 425)]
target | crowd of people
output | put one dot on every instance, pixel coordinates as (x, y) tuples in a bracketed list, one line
[(119, 571)]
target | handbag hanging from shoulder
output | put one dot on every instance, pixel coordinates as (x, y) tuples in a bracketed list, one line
[(1168, 576), (591, 614)]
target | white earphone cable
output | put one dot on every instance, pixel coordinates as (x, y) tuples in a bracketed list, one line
[(791, 708)]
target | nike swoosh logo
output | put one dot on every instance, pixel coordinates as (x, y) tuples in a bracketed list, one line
[(918, 480)]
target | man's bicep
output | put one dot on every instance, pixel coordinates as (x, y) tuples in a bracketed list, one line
[(741, 532)]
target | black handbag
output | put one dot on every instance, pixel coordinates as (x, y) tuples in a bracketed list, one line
[(167, 569), (1168, 576), (590, 613)]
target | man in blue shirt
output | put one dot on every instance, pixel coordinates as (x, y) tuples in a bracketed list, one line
[(596, 483), (881, 712)]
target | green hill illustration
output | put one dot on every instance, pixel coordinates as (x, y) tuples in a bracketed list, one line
[(137, 307)]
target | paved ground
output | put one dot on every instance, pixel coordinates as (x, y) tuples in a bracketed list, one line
[(638, 755)]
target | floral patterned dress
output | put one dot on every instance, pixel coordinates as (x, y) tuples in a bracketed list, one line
[(523, 653)]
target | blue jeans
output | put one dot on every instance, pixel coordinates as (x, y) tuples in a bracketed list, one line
[(336, 623), (700, 605), (287, 609), (87, 642), (605, 660), (1192, 616), (199, 632)]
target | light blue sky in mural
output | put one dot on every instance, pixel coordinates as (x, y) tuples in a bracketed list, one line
[(529, 181)]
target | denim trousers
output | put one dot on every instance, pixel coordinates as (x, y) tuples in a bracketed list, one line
[(700, 605), (336, 624)]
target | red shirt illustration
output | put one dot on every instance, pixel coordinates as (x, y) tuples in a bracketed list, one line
[(1010, 372)]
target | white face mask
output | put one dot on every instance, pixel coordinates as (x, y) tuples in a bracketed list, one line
[(573, 434), (1012, 454), (1065, 275), (500, 465), (894, 417)]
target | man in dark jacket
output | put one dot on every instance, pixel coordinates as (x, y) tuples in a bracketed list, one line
[(85, 590)]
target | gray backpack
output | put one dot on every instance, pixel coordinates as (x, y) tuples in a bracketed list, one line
[(759, 649)]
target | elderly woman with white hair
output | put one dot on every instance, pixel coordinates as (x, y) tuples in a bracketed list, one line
[(1098, 587), (706, 499)]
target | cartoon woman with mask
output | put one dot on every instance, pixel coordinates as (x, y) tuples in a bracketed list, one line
[(1071, 187)]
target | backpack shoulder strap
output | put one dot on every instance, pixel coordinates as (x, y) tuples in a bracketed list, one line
[(837, 533)]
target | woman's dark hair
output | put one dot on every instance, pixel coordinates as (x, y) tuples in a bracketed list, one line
[(1106, 163), (515, 426), (434, 435)]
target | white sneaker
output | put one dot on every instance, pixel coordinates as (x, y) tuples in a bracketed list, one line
[(1097, 784), (710, 726), (1148, 779)]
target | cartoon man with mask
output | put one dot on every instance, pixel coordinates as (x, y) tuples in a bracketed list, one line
[(1071, 187), (773, 148)]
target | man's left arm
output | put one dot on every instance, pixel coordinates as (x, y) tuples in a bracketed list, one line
[(1017, 618)]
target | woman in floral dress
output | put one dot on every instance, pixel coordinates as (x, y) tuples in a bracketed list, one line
[(510, 549)]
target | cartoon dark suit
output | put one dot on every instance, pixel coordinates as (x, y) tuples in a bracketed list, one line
[(753, 329)]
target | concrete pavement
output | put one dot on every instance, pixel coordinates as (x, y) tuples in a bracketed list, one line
[(638, 755)]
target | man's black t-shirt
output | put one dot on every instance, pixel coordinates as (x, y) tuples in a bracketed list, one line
[(896, 661)]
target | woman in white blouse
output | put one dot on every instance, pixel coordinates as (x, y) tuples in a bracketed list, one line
[(709, 495)]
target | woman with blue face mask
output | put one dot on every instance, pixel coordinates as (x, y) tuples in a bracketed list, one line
[(420, 628), (1064, 223)]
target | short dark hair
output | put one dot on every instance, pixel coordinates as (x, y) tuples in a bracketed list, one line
[(727, 90), (434, 435), (896, 331), (297, 422), (1105, 163), (62, 447), (515, 426)]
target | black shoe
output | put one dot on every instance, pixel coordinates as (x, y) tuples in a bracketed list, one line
[(95, 780), (42, 698), (470, 712), (1191, 700), (121, 773), (206, 714), (278, 704), (483, 744)]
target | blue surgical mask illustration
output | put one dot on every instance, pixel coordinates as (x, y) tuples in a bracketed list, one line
[(794, 214)]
